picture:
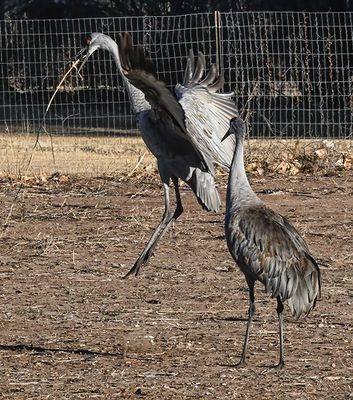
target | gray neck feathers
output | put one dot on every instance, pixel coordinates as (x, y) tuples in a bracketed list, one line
[(239, 191), (136, 96)]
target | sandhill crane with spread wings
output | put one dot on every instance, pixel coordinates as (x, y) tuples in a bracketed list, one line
[(266, 247), (182, 130)]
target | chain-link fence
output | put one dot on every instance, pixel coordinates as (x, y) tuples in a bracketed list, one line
[(291, 72)]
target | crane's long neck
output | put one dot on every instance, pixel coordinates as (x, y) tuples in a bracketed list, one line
[(239, 191), (136, 96)]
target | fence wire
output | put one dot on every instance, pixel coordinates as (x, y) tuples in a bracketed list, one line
[(291, 72)]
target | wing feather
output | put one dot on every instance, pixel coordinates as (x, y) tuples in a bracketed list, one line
[(138, 70), (210, 76), (272, 251), (199, 69), (201, 113), (207, 113)]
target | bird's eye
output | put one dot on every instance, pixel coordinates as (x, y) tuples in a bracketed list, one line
[(88, 41)]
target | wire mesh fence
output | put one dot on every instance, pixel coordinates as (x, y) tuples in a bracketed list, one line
[(35, 55), (291, 72)]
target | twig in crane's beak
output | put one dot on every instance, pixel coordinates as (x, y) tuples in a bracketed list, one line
[(83, 60), (83, 56), (80, 55), (74, 64), (78, 58)]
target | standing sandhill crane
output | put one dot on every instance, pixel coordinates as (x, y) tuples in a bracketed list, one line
[(183, 132), (266, 247)]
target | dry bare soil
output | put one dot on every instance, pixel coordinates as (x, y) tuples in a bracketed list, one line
[(71, 328)]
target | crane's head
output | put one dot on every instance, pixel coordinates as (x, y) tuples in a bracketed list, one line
[(93, 42), (237, 127)]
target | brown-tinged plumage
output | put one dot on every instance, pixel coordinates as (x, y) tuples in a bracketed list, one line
[(266, 247), (183, 131)]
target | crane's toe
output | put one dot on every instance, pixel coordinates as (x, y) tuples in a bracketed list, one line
[(280, 365), (143, 259), (240, 364), (135, 269)]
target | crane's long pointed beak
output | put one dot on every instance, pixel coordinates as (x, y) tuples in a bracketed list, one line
[(226, 135), (82, 55), (231, 124), (83, 62)]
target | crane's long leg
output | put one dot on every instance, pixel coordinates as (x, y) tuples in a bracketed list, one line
[(167, 219), (281, 337), (251, 313)]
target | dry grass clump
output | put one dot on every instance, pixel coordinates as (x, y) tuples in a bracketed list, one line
[(291, 157), (56, 160), (72, 155)]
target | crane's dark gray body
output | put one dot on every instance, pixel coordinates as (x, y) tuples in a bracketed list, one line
[(183, 132), (266, 247)]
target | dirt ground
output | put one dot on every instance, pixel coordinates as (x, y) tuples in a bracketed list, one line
[(71, 328)]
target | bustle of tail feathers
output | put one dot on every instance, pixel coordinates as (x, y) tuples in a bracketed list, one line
[(203, 185), (308, 290)]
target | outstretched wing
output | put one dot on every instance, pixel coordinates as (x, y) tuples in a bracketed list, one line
[(207, 112), (140, 72), (167, 110)]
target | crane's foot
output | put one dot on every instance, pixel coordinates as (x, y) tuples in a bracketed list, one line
[(143, 259), (134, 270), (240, 364), (279, 366)]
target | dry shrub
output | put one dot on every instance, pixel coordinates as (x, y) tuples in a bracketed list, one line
[(126, 158), (323, 157)]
